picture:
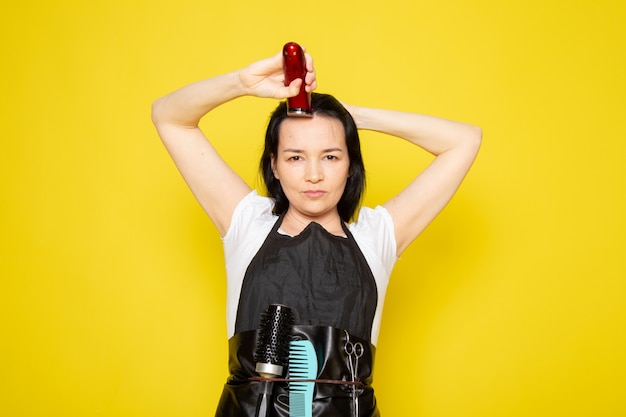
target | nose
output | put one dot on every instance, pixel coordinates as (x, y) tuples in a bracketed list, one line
[(314, 173)]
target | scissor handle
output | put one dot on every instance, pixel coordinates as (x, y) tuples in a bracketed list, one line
[(355, 349)]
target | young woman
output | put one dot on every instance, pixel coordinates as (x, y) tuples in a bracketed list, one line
[(301, 246)]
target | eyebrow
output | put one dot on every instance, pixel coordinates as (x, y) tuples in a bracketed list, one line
[(323, 151)]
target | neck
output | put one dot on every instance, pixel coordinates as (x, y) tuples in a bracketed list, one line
[(294, 223)]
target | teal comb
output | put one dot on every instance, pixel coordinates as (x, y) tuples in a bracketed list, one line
[(302, 365)]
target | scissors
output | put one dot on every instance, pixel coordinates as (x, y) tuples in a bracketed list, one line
[(354, 352)]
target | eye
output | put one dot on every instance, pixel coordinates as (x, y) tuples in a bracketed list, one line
[(295, 158), (331, 157)]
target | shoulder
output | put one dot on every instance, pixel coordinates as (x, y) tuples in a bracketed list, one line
[(372, 222), (374, 233), (253, 203), (253, 214)]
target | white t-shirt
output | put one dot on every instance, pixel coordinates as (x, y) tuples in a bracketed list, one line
[(253, 220)]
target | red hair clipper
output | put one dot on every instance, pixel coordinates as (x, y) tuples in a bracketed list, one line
[(294, 67)]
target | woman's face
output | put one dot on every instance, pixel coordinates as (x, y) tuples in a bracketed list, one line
[(312, 165)]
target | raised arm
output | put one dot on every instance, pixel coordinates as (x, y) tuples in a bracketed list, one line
[(454, 145), (215, 185)]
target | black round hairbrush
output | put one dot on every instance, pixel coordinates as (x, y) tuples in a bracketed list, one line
[(272, 349)]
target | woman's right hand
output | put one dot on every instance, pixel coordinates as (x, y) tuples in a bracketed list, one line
[(265, 78)]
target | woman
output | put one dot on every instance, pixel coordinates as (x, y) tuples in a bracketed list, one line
[(299, 247)]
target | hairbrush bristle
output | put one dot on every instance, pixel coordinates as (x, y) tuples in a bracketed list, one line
[(274, 335)]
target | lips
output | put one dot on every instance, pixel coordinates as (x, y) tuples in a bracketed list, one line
[(314, 193)]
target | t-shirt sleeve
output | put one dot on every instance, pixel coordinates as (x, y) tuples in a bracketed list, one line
[(374, 232), (253, 210)]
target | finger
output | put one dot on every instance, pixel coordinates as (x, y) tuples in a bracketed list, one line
[(310, 87), (294, 87), (309, 62), (310, 81)]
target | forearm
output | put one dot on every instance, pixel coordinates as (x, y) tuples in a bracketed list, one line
[(433, 134), (455, 146), (186, 106)]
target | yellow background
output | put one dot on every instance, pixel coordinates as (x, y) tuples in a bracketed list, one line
[(112, 282)]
